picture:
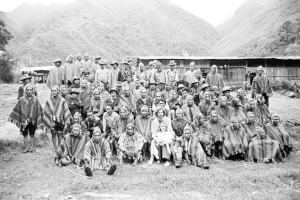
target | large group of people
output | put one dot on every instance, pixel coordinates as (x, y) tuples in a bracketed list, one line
[(148, 113)]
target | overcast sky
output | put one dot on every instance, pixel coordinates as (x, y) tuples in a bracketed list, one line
[(212, 11)]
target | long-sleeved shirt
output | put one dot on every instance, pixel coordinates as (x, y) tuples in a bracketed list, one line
[(102, 75)]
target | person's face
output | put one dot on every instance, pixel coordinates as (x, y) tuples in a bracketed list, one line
[(126, 92), (184, 93), (101, 86), (172, 67), (144, 112), (130, 130), (55, 92), (142, 68), (207, 97), (97, 95), (158, 96), (115, 66), (275, 120), (223, 101), (252, 104), (197, 74), (190, 101), (129, 79), (262, 134), (86, 57), (214, 118), (143, 93), (74, 95), (97, 61), (174, 95), (184, 77), (163, 128), (84, 84), (29, 91), (76, 81), (241, 94), (27, 81), (79, 58), (97, 137), (206, 89), (260, 72), (123, 113), (137, 84), (162, 104), (64, 91), (187, 134), (108, 109), (251, 118), (227, 93), (152, 87), (76, 119), (57, 64), (102, 66), (113, 94), (160, 114), (213, 70), (90, 115), (159, 68), (179, 113), (201, 120), (235, 124), (196, 85), (76, 131)]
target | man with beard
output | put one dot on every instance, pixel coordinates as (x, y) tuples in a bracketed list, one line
[(262, 85), (217, 129), (172, 74), (276, 131), (97, 155), (190, 109), (235, 141), (207, 105), (130, 144), (143, 100), (113, 75), (56, 75), (214, 78), (143, 126), (128, 100), (57, 116), (91, 123), (27, 115), (125, 118), (224, 111)]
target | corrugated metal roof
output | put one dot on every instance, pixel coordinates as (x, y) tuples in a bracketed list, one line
[(214, 58), (42, 68)]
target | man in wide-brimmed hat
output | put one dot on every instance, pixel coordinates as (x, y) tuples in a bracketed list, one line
[(26, 79), (102, 74), (160, 75), (56, 75), (195, 89), (96, 65), (226, 92), (71, 70), (172, 73), (124, 71), (113, 74), (75, 83)]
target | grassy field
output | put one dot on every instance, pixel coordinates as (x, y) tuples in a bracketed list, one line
[(35, 176)]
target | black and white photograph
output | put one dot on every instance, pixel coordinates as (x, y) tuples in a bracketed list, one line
[(150, 99)]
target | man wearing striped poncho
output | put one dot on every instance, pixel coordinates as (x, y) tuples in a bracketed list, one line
[(262, 85), (27, 115), (276, 131), (56, 115), (97, 154), (235, 140), (263, 149), (214, 78)]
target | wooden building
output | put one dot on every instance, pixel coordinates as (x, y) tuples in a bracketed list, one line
[(234, 69)]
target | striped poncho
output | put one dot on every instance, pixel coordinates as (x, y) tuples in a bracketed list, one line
[(235, 141), (262, 85), (71, 146), (95, 153), (259, 149), (56, 107), (27, 110), (128, 101), (215, 80), (194, 150), (279, 134), (225, 114), (143, 126), (85, 97)]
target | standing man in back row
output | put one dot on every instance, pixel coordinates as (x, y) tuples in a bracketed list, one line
[(261, 85), (214, 78), (56, 75)]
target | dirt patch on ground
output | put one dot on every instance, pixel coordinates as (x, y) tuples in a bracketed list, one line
[(35, 176)]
